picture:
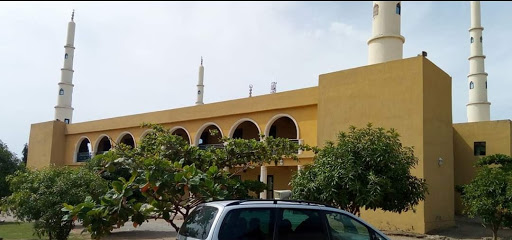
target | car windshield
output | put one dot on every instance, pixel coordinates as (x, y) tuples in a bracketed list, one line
[(198, 223)]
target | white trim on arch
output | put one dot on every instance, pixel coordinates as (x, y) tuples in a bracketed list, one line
[(276, 117), (202, 128), (237, 123), (97, 143), (77, 147), (172, 130), (145, 133), (123, 134)]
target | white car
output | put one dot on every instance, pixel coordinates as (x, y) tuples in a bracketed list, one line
[(274, 219)]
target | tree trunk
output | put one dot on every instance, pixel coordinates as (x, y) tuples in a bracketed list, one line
[(495, 233)]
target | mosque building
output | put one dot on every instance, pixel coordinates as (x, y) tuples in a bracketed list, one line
[(411, 95)]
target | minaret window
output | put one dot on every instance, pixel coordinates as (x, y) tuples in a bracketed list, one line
[(66, 120), (485, 84), (480, 38), (375, 10), (66, 56), (471, 85), (61, 91), (398, 9), (472, 40)]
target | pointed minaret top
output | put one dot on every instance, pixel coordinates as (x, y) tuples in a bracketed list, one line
[(73, 15), (201, 60)]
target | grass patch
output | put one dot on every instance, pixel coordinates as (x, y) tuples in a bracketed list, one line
[(25, 230)]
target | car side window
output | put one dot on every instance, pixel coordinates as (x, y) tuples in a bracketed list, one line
[(247, 224), (343, 227), (301, 224)]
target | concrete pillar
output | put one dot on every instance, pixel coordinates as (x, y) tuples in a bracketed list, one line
[(263, 179)]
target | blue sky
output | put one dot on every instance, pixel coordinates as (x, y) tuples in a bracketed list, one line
[(136, 57)]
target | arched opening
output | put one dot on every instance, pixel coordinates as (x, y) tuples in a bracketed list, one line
[(398, 9), (127, 139), (84, 150), (61, 91), (283, 127), (210, 137), (103, 145), (246, 130), (472, 40), (182, 133), (471, 85), (375, 10)]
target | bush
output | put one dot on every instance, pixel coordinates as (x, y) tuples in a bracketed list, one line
[(39, 196)]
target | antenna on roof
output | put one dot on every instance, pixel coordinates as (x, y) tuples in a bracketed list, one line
[(273, 87)]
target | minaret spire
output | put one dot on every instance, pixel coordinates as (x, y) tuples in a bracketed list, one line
[(200, 86), (478, 108), (63, 110), (386, 43)]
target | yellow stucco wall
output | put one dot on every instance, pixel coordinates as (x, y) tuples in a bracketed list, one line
[(498, 138), (46, 144), (300, 105), (406, 95), (438, 143)]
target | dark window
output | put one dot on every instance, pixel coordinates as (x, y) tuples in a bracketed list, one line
[(375, 10), (238, 133), (485, 84), (66, 56), (248, 223), (471, 85), (301, 224), (479, 148), (342, 226), (398, 9), (480, 38), (199, 222), (61, 91), (472, 40), (273, 131), (66, 120)]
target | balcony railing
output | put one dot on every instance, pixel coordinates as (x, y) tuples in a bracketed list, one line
[(83, 156), (215, 145)]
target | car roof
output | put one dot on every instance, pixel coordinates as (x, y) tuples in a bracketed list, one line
[(263, 202)]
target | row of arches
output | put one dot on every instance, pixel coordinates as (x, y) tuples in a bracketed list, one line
[(282, 126)]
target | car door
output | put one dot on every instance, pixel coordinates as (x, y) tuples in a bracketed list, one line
[(343, 226), (300, 224), (248, 224)]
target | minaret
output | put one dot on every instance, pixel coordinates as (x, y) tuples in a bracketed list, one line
[(478, 107), (63, 110), (200, 86), (386, 43)]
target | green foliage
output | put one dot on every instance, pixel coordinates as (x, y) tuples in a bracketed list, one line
[(489, 195), (9, 163), (168, 178), (366, 167), (24, 152), (38, 196)]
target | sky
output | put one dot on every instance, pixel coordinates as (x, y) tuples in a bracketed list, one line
[(138, 57)]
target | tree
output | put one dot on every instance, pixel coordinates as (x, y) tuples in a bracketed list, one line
[(25, 154), (173, 177), (38, 196), (366, 167), (9, 163), (489, 194)]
